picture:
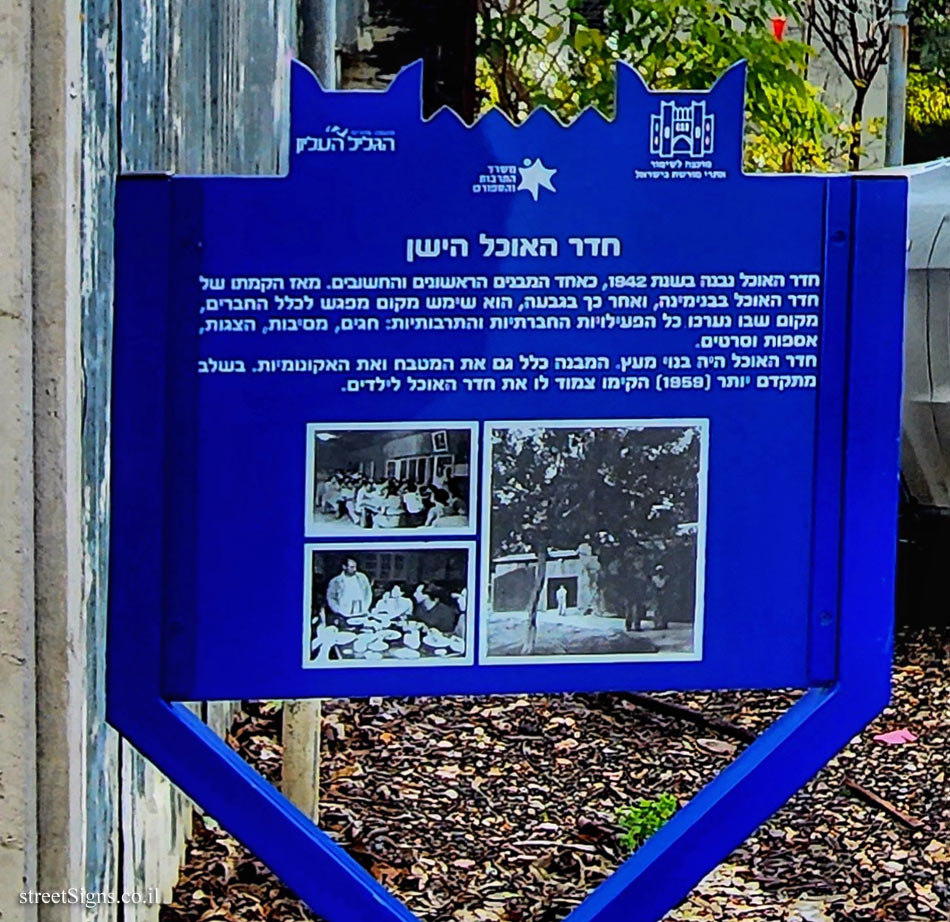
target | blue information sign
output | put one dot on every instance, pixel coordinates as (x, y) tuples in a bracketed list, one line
[(456, 409)]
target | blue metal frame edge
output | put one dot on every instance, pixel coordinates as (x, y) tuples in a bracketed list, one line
[(829, 434)]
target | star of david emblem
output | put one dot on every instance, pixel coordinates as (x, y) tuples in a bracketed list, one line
[(535, 176)]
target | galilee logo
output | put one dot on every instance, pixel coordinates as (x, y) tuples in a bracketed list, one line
[(338, 140)]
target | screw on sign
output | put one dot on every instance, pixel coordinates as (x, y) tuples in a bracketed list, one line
[(686, 461)]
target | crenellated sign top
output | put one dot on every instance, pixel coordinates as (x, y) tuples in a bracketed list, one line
[(665, 135)]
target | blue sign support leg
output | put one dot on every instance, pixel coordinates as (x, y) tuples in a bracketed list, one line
[(723, 814), (178, 744), (777, 764), (332, 883)]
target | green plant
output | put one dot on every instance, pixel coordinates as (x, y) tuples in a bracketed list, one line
[(644, 818), (526, 59), (799, 134), (928, 101), (930, 36)]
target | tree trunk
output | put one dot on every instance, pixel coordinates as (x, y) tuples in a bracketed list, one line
[(857, 113), (531, 635), (447, 28)]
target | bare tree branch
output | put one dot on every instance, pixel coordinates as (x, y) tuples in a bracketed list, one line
[(854, 33)]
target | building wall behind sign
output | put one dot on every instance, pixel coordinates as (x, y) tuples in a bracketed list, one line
[(18, 856), (91, 87)]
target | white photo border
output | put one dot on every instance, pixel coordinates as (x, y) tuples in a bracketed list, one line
[(694, 655), (312, 529), (365, 547)]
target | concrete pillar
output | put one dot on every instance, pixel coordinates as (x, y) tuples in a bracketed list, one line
[(17, 655), (56, 119)]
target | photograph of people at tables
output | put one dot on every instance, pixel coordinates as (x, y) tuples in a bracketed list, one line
[(390, 478), (388, 604)]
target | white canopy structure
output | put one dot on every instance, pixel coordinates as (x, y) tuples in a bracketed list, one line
[(926, 435)]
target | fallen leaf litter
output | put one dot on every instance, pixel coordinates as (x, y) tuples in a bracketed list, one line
[(504, 809)]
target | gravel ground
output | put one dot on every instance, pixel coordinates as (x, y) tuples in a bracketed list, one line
[(504, 809)]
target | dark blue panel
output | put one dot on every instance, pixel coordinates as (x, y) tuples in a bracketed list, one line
[(237, 453)]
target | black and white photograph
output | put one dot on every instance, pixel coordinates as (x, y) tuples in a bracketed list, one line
[(394, 604), (594, 540), (390, 479)]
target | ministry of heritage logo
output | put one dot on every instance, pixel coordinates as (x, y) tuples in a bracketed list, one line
[(681, 130), (682, 141), (508, 178)]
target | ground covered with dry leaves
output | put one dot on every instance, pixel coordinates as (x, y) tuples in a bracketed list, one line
[(505, 809)]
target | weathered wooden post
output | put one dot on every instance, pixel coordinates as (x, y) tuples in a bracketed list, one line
[(300, 777)]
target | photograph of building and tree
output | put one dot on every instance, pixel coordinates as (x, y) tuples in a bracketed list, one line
[(595, 537), (389, 478)]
